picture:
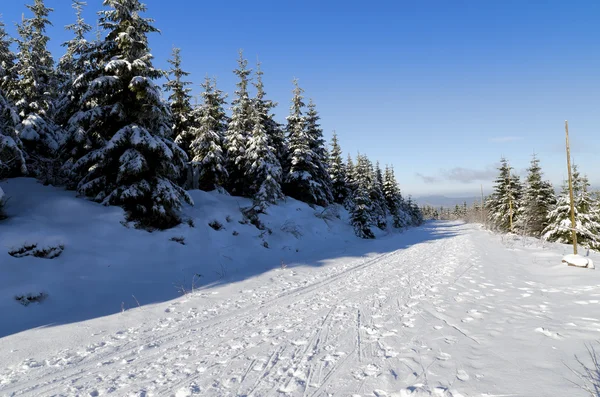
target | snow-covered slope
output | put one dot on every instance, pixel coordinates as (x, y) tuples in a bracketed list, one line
[(446, 309), (106, 267)]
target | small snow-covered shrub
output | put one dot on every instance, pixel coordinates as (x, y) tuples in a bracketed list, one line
[(178, 239), (235, 233), (292, 228), (330, 213), (191, 223), (251, 214), (228, 219), (27, 299), (265, 244), (216, 225), (48, 252)]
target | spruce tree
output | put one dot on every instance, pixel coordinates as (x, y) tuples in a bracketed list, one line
[(34, 92), (179, 100), (337, 172), (304, 179), (274, 130), (538, 199), (208, 130), (318, 147), (587, 217), (361, 210), (8, 75), (75, 62), (504, 201), (379, 209), (264, 170), (130, 160), (394, 199), (12, 161), (350, 182), (238, 132)]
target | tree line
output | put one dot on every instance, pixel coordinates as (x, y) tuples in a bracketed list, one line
[(532, 208), (97, 122)]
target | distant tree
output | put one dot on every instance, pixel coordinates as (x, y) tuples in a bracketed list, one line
[(379, 209)]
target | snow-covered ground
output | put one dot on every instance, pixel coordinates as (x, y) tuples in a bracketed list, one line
[(446, 309)]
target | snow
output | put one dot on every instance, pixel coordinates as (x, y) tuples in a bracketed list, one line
[(578, 260), (446, 309)]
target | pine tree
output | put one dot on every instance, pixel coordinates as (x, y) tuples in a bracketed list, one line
[(238, 132), (208, 130), (504, 201), (273, 129), (538, 199), (130, 160), (337, 172), (361, 210), (587, 218), (35, 90), (179, 100), (304, 179)]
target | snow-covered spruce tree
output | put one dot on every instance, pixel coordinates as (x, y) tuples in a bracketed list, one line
[(274, 130), (8, 75), (180, 102), (303, 179), (74, 63), (587, 218), (505, 196), (360, 212), (318, 147), (208, 130), (130, 160), (264, 169), (12, 161), (238, 132), (34, 93), (379, 210), (394, 199), (537, 201), (337, 171), (350, 182)]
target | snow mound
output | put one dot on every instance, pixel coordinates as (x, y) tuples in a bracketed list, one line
[(578, 261)]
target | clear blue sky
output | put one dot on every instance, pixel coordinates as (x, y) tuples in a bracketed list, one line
[(440, 89)]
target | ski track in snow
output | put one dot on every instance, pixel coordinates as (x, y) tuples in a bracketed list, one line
[(445, 317)]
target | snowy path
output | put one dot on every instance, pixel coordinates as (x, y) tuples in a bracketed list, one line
[(460, 315)]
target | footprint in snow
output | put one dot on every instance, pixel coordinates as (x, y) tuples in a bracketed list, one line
[(443, 356), (548, 333), (462, 375)]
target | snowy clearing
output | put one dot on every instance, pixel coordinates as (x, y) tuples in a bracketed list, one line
[(446, 309)]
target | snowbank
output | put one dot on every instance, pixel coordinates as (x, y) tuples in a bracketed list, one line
[(578, 261)]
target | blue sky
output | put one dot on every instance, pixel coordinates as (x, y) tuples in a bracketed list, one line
[(439, 89)]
